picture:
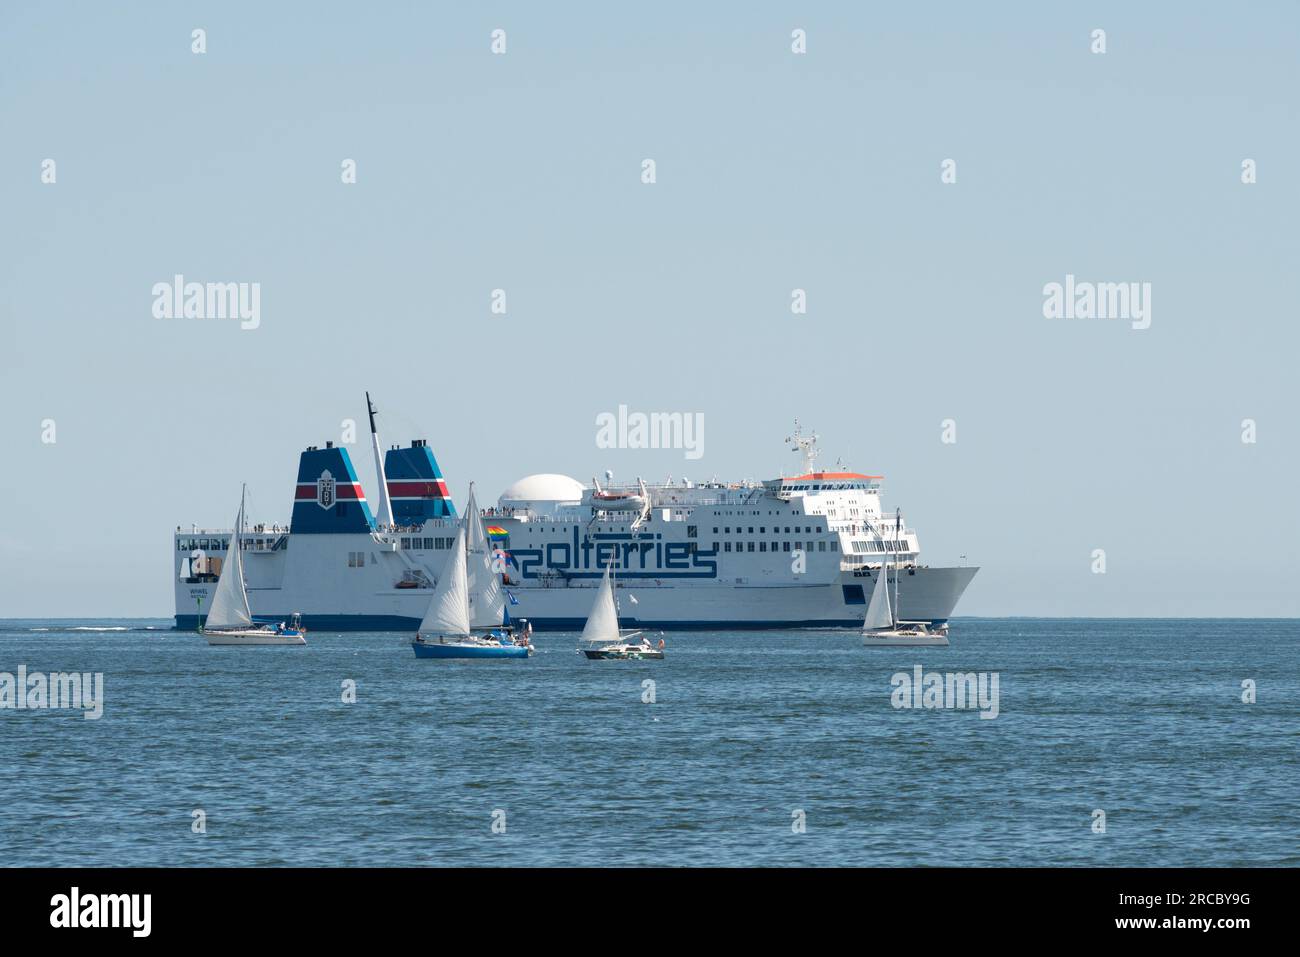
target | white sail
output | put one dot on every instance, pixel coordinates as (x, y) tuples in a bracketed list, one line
[(384, 506), (879, 614), (448, 612), (487, 599), (602, 623), (230, 600)]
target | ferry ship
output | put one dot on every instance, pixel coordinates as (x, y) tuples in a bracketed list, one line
[(796, 551)]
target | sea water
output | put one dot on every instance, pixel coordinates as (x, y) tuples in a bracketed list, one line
[(1116, 742)]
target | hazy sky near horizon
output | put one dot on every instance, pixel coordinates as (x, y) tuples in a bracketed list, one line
[(774, 172)]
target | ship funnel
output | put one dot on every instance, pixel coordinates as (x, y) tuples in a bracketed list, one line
[(328, 499), (415, 485)]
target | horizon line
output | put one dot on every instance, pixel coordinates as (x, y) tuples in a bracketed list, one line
[(171, 618)]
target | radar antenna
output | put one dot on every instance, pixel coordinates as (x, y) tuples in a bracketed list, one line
[(805, 445)]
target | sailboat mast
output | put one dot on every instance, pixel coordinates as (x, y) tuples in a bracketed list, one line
[(898, 516), (383, 504), (237, 540)]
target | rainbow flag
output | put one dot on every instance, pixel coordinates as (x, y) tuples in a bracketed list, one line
[(496, 531)]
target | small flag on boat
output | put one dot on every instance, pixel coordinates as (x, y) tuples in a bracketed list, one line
[(496, 531)]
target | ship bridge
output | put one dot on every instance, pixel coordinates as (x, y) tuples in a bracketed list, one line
[(785, 487)]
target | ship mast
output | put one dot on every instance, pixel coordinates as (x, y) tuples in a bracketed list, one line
[(804, 445), (383, 507)]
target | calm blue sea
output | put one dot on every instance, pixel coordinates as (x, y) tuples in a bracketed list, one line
[(1142, 719)]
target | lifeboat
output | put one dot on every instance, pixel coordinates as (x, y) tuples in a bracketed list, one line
[(618, 501)]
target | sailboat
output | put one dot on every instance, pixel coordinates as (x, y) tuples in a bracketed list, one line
[(488, 611), (446, 631), (881, 627), (601, 631), (229, 620)]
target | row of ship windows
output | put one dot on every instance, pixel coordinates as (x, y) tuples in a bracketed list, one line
[(874, 545), (206, 544), (833, 487), (762, 530), (562, 530), (784, 546), (427, 544), (221, 544)]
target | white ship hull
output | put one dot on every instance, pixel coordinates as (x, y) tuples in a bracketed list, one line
[(318, 582)]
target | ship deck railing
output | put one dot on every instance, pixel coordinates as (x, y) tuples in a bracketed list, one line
[(263, 529)]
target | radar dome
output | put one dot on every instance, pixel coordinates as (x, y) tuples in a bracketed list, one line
[(545, 488)]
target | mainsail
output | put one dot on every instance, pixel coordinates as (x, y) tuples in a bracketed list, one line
[(602, 623), (879, 614), (448, 612), (230, 600), (487, 599)]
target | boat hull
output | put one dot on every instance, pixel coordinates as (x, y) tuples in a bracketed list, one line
[(430, 649), (905, 641), (252, 638), (599, 654)]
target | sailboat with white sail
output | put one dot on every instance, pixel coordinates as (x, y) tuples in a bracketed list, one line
[(881, 627), (601, 633), (229, 621), (446, 631)]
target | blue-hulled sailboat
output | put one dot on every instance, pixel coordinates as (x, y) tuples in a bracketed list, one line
[(446, 631)]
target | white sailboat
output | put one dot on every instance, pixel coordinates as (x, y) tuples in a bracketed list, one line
[(881, 627), (229, 622), (446, 631), (601, 632)]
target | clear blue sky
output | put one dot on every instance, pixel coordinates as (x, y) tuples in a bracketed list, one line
[(775, 172)]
